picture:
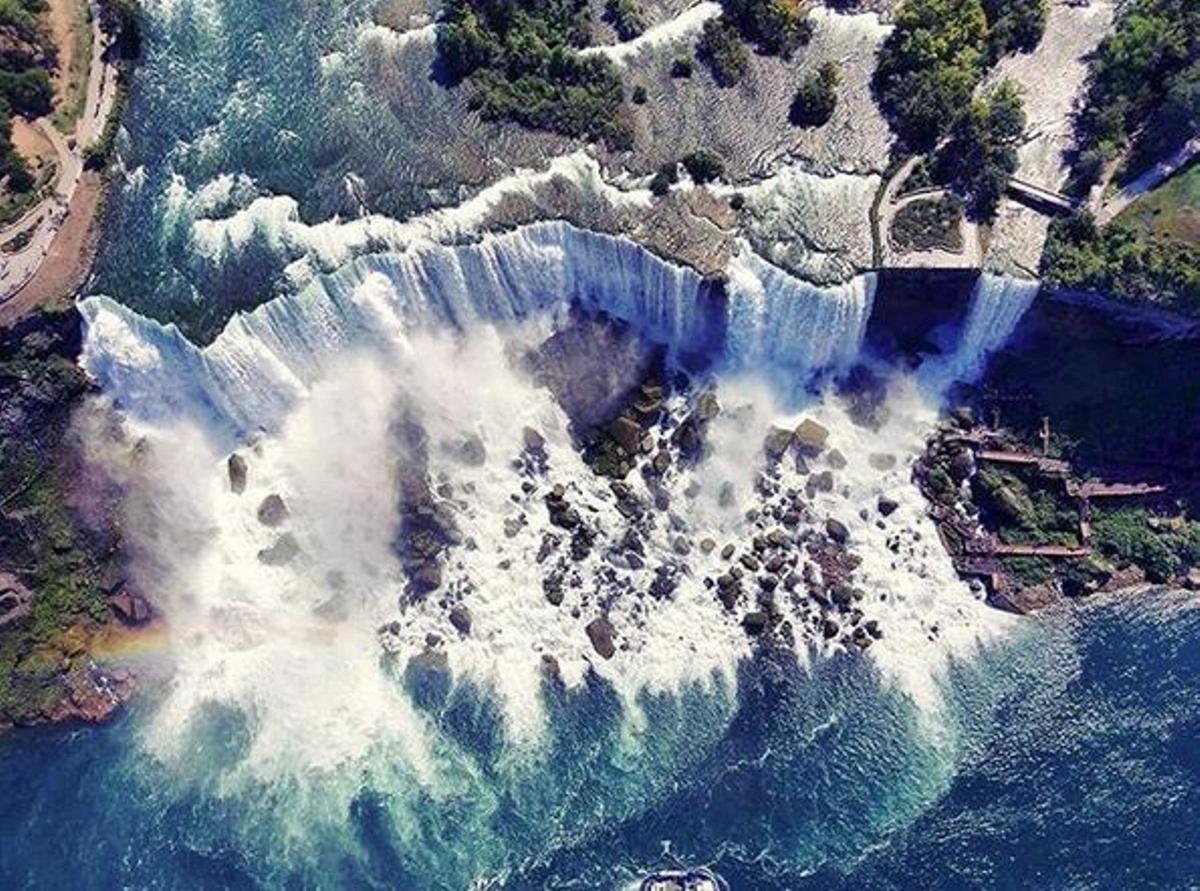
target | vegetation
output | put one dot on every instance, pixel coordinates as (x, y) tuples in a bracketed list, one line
[(664, 178), (523, 63), (1119, 261), (773, 27), (937, 55), (932, 224), (1143, 87), (703, 166), (1014, 26), (40, 538), (1133, 536), (981, 154), (720, 47), (25, 89), (817, 97), (681, 66), (626, 17)]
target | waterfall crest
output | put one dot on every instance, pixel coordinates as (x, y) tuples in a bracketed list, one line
[(264, 360)]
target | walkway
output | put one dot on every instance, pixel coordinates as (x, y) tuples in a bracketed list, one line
[(1148, 180)]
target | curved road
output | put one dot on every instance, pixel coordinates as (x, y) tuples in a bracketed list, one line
[(47, 218)]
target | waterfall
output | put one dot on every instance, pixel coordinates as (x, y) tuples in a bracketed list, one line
[(997, 304), (777, 319), (265, 360)]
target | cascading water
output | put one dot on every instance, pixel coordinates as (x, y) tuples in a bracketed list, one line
[(264, 360), (997, 304), (416, 702)]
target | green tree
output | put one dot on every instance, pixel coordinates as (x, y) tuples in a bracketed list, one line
[(816, 99)]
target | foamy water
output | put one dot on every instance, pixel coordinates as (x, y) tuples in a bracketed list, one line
[(324, 377)]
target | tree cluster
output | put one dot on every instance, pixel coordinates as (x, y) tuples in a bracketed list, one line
[(25, 87), (1117, 261), (1145, 76), (626, 17), (773, 27), (523, 63), (937, 55), (981, 154)]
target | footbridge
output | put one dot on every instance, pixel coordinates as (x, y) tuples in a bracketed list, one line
[(1040, 198)]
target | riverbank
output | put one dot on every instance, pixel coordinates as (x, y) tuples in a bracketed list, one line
[(65, 604)]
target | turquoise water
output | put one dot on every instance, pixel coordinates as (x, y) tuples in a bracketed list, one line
[(1070, 760)]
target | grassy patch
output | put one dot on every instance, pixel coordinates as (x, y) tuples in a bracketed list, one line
[(1172, 210), (925, 225), (73, 87)]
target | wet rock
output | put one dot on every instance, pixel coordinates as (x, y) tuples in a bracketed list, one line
[(533, 440), (550, 669), (707, 407), (552, 588), (873, 629), (627, 433), (881, 461), (819, 482), (962, 465), (460, 618), (756, 623), (600, 633), (887, 506), (283, 551), (777, 442), (332, 609), (468, 450), (237, 473), (272, 512), (810, 437), (130, 607), (662, 462), (837, 530)]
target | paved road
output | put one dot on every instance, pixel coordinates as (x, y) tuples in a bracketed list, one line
[(47, 218)]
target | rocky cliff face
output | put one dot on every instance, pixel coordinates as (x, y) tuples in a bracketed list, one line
[(62, 595)]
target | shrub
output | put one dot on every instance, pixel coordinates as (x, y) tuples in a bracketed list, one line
[(817, 97), (681, 66), (720, 47), (703, 166), (639, 95), (667, 176), (626, 17), (523, 64), (982, 152)]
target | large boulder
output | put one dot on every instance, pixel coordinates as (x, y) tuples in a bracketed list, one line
[(600, 632), (837, 531), (237, 473), (272, 511), (811, 437)]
